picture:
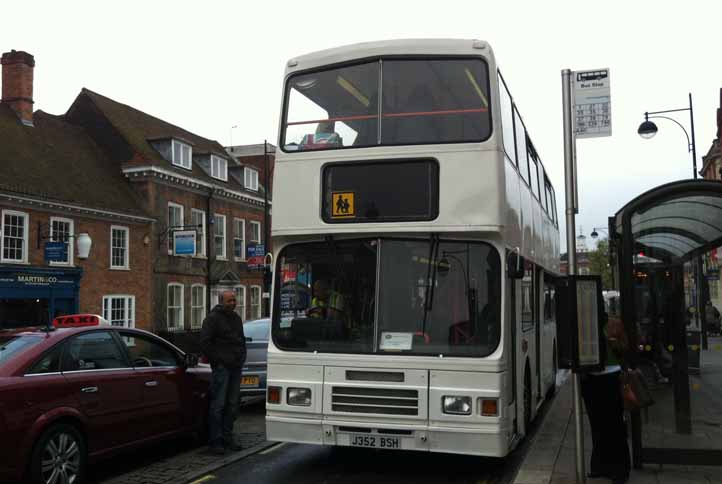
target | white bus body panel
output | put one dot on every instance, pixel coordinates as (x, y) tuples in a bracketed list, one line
[(481, 198)]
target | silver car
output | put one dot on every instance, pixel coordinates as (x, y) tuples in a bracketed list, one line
[(253, 381)]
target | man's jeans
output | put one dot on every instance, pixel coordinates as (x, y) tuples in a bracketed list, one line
[(225, 393)]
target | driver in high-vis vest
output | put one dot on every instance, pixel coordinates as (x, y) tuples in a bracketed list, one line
[(326, 304)]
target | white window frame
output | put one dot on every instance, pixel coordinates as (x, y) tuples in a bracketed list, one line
[(71, 233), (241, 301), (126, 259), (182, 163), (241, 236), (250, 178), (26, 232), (216, 216), (197, 324), (170, 230), (179, 308), (219, 168), (201, 240), (107, 305), (255, 230), (259, 310)]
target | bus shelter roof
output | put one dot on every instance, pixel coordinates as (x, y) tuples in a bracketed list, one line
[(674, 222)]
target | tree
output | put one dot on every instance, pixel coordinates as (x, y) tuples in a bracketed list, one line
[(599, 264)]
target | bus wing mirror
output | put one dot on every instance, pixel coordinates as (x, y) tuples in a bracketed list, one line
[(515, 265)]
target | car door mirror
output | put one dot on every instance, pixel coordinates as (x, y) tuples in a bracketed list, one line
[(248, 339), (190, 360)]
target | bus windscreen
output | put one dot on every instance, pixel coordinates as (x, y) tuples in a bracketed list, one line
[(389, 296)]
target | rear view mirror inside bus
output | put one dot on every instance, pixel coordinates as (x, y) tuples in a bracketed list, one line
[(515, 265)]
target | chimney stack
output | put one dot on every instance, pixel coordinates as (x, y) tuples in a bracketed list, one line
[(17, 84)]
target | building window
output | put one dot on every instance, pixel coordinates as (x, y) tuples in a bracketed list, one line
[(255, 302), (119, 310), (175, 306), (14, 236), (175, 219), (219, 235), (239, 239), (198, 305), (255, 232), (182, 154), (241, 301), (119, 247), (219, 168), (198, 219), (250, 177), (61, 230)]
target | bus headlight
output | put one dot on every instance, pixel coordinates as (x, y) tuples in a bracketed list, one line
[(456, 405), (299, 396)]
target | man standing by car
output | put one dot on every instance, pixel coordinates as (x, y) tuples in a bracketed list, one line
[(224, 344)]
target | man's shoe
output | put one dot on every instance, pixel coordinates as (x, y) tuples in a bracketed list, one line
[(216, 450), (234, 447)]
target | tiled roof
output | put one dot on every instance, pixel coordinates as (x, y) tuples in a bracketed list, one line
[(58, 161), (139, 128)]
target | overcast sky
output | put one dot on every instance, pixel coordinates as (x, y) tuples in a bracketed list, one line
[(207, 66)]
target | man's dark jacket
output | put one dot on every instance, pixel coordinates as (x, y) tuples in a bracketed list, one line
[(222, 338)]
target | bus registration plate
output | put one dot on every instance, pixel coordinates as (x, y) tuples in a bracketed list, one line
[(375, 441)]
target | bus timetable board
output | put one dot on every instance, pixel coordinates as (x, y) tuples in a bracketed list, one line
[(592, 105), (580, 311)]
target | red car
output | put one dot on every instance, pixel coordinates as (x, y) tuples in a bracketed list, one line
[(84, 389)]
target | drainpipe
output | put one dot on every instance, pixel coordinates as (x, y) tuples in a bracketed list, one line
[(209, 222)]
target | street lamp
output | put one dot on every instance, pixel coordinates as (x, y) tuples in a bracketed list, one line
[(648, 129), (595, 234)]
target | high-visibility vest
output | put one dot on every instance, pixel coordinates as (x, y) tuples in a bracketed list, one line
[(335, 301)]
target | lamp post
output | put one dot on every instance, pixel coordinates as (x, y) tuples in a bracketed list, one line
[(648, 129)]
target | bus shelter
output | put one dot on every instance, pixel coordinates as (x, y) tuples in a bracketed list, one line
[(657, 241)]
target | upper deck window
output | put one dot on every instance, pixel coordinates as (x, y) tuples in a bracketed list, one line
[(388, 102)]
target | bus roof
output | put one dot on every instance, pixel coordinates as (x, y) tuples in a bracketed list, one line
[(389, 47)]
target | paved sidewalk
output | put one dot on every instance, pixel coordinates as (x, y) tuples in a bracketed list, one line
[(551, 458), (193, 464)]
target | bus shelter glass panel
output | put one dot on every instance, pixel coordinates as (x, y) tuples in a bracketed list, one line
[(389, 296), (679, 346)]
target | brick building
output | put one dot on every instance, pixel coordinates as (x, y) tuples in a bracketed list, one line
[(712, 170), (56, 184), (185, 182)]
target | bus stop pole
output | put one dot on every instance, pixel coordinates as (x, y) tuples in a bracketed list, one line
[(571, 208)]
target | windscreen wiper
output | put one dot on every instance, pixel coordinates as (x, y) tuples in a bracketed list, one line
[(430, 278)]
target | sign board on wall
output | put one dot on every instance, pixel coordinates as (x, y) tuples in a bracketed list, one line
[(255, 254), (184, 242)]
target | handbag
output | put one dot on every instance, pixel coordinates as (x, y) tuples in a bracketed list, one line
[(635, 392)]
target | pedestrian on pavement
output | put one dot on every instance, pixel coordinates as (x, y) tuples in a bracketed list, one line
[(605, 409), (224, 344)]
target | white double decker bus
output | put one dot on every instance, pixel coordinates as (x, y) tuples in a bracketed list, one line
[(415, 242)]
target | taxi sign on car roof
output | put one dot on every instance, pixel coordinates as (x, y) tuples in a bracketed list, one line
[(78, 321)]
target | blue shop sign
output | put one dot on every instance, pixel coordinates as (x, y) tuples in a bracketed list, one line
[(56, 251), (184, 242)]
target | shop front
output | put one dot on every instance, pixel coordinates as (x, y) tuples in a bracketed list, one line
[(35, 295)]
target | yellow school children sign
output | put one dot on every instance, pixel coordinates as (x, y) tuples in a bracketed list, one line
[(342, 205)]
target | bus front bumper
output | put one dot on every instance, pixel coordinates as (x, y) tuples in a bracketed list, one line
[(491, 441)]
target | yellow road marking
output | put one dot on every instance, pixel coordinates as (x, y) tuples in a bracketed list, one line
[(271, 449), (204, 479)]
